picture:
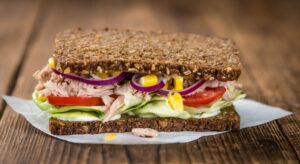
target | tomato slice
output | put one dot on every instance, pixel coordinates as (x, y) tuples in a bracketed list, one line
[(205, 97), (73, 101)]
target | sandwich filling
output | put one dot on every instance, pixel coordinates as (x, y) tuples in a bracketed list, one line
[(108, 96)]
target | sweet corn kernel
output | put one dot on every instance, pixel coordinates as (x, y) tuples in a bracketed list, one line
[(51, 63), (102, 75), (42, 98), (178, 83), (115, 73), (149, 80), (110, 136), (175, 101), (166, 86)]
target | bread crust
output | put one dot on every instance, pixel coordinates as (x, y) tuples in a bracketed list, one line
[(228, 119), (187, 55)]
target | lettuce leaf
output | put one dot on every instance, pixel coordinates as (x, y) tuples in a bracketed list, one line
[(142, 102), (160, 108), (154, 106), (130, 102)]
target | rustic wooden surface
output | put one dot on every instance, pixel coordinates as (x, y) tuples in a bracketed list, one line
[(267, 33)]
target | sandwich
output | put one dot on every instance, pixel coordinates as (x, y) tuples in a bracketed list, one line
[(115, 80)]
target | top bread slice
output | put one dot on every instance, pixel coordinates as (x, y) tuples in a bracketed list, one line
[(188, 55)]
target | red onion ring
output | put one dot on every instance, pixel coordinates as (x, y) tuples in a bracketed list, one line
[(185, 91), (134, 84), (107, 81)]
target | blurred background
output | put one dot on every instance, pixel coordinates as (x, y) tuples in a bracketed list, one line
[(266, 32)]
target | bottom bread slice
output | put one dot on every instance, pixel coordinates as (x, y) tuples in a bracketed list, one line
[(228, 119)]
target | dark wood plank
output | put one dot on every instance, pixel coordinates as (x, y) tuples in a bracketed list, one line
[(143, 153), (265, 52), (210, 19), (273, 48), (17, 22), (67, 16), (21, 141)]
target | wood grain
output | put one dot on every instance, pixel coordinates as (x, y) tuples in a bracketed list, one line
[(38, 53), (273, 68), (266, 32), (210, 16), (30, 145), (17, 22)]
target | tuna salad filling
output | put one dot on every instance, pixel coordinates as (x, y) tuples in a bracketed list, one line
[(105, 97)]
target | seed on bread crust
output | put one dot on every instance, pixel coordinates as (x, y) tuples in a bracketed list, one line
[(187, 55), (228, 119)]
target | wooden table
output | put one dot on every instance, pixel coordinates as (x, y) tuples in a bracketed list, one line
[(267, 33)]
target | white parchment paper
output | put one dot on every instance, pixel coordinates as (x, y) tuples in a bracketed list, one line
[(252, 113)]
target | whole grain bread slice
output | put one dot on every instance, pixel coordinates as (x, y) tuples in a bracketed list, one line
[(188, 55), (228, 119)]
